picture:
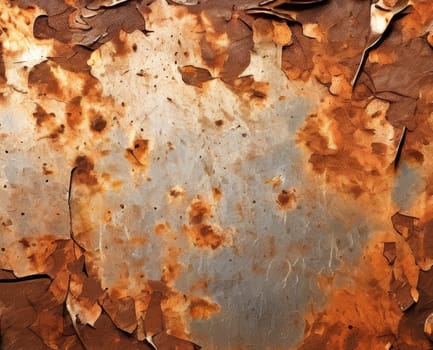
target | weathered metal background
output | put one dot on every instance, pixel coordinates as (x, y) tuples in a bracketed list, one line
[(233, 174)]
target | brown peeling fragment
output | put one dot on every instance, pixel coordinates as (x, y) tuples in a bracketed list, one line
[(91, 290), (380, 21), (42, 78), (76, 21), (281, 14), (232, 59), (282, 9), (277, 3), (31, 318), (404, 224), (153, 320), (105, 335), (195, 76), (166, 341), (73, 59), (121, 312), (80, 31), (428, 326), (297, 60), (419, 237), (405, 295), (238, 53), (249, 88), (390, 252), (41, 29), (6, 275)]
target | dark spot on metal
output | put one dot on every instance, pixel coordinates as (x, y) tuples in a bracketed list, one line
[(98, 123), (286, 199), (84, 171)]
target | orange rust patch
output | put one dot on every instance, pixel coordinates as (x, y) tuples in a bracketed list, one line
[(73, 112), (38, 250), (42, 116), (344, 146), (216, 194), (198, 211), (171, 267), (84, 171), (160, 228), (276, 181), (202, 309), (286, 200), (249, 89), (203, 236), (201, 233), (350, 317)]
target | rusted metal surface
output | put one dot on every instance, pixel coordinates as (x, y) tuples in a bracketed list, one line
[(232, 174)]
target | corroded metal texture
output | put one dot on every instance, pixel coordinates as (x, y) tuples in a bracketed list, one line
[(232, 174)]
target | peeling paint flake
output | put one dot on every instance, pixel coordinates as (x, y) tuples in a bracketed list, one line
[(236, 174)]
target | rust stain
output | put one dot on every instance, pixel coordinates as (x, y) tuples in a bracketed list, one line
[(286, 200), (198, 211), (201, 233), (343, 146), (137, 154), (84, 171), (347, 322), (176, 192), (98, 123), (2, 65), (350, 141), (43, 79), (250, 89), (171, 267), (276, 181), (216, 194), (200, 308), (73, 112), (42, 116)]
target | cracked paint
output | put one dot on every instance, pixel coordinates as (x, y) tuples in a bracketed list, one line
[(232, 174)]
